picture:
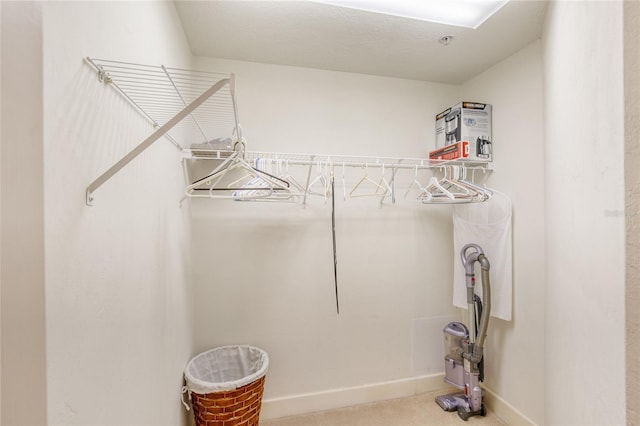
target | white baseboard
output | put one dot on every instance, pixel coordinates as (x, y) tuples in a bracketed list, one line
[(504, 410), (344, 397)]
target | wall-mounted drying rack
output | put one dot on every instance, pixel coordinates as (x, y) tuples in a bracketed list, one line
[(183, 105)]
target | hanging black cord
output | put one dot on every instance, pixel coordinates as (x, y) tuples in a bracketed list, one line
[(333, 233)]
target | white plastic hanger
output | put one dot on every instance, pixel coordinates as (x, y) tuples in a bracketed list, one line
[(344, 185), (285, 175), (415, 184), (379, 189), (320, 180), (253, 184), (434, 191), (452, 188)]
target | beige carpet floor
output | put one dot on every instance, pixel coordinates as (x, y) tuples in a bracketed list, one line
[(419, 410)]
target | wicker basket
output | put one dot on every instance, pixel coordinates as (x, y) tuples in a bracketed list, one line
[(240, 407), (226, 385)]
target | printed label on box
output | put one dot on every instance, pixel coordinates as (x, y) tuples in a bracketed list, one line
[(459, 150)]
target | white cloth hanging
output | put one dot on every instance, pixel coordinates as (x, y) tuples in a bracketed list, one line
[(487, 224)]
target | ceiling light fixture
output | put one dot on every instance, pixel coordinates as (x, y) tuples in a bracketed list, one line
[(460, 13)]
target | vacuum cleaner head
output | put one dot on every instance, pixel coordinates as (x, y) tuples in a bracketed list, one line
[(450, 402)]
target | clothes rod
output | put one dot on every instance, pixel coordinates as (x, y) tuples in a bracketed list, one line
[(298, 159)]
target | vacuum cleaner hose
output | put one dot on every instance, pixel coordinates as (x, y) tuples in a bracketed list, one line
[(486, 311)]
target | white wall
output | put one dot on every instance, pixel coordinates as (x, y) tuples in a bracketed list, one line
[(23, 377), (264, 271), (0, 217), (271, 265), (584, 214), (514, 88), (118, 297), (117, 313), (632, 204)]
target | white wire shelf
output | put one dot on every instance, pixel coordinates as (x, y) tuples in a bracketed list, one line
[(160, 92), (183, 105), (197, 112), (336, 160)]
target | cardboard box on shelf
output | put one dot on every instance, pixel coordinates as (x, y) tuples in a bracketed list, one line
[(455, 151), (466, 122)]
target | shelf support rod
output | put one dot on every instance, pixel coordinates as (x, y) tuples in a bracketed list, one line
[(105, 78), (204, 137), (154, 137)]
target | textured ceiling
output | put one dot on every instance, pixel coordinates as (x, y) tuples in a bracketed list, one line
[(314, 35)]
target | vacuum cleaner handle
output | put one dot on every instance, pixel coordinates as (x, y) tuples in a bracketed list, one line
[(468, 259), (469, 255)]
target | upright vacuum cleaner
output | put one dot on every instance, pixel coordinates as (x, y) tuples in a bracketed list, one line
[(464, 367)]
